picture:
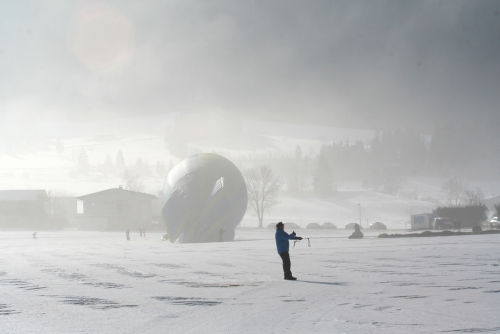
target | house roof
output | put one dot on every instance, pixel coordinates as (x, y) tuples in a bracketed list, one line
[(115, 192), (22, 195), (491, 200)]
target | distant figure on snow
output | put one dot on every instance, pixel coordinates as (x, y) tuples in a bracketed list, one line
[(140, 231), (128, 234), (357, 234), (283, 247), (34, 235), (165, 237), (144, 232), (457, 225), (221, 232)]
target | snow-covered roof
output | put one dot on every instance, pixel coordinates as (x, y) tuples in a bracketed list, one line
[(115, 192), (22, 195)]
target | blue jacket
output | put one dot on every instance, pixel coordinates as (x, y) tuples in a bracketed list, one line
[(282, 240)]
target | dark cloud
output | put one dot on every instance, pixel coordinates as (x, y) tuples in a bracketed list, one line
[(353, 63)]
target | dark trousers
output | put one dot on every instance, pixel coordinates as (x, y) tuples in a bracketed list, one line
[(286, 264)]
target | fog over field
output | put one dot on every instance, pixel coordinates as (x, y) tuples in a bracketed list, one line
[(362, 111)]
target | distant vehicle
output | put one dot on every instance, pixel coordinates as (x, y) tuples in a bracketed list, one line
[(328, 225), (314, 225), (271, 226), (377, 226), (495, 223), (422, 221), (291, 226), (442, 223), (350, 226), (448, 226)]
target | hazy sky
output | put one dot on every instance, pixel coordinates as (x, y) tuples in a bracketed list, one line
[(341, 63)]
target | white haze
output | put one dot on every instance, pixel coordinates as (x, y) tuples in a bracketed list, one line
[(343, 62), (247, 80), (253, 81)]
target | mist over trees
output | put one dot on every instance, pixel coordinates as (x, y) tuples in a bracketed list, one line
[(422, 78), (385, 164), (323, 181)]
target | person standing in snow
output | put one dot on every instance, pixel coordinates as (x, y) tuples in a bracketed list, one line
[(128, 234), (357, 234), (221, 232), (283, 247)]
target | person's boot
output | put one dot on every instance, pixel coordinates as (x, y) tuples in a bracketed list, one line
[(291, 278)]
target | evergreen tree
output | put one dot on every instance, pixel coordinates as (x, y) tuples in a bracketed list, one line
[(146, 170), (139, 167), (323, 182), (83, 161), (120, 162), (298, 153), (160, 168), (107, 167)]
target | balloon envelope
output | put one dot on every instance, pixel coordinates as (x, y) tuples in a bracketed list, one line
[(204, 199)]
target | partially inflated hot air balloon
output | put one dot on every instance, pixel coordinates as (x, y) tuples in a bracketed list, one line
[(202, 194)]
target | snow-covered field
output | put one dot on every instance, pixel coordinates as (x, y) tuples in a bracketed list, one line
[(97, 282)]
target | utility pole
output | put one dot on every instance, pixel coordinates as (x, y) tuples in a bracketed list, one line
[(359, 214)]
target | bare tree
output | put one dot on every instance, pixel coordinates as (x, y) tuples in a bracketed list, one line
[(455, 190), (262, 187), (473, 196), (133, 181), (57, 211)]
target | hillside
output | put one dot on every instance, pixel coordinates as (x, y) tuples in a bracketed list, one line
[(44, 168)]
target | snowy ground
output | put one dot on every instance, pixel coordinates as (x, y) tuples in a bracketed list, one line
[(97, 282)]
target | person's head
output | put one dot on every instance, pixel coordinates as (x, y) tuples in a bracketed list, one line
[(280, 226)]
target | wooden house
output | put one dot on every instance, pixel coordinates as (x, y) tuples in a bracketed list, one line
[(115, 209)]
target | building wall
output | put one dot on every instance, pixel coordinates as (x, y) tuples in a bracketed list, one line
[(24, 214), (127, 210), (92, 223)]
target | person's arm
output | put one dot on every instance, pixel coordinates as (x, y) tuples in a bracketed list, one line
[(285, 236), (291, 236), (294, 236)]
